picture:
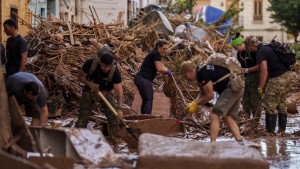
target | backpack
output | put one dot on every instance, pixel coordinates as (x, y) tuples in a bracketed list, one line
[(233, 65), (285, 53), (96, 61)]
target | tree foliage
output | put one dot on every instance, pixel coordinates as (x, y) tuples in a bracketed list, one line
[(232, 13), (286, 13), (181, 6)]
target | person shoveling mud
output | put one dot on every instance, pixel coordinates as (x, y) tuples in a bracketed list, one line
[(101, 75)]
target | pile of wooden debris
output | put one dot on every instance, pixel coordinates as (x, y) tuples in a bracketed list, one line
[(58, 50)]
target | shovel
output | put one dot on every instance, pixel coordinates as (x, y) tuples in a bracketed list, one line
[(128, 130)]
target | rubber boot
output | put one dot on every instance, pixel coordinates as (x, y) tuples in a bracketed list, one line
[(271, 122), (282, 120)]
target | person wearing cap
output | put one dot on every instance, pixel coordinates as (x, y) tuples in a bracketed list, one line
[(30, 92), (276, 88), (148, 71), (228, 102), (98, 77), (251, 74)]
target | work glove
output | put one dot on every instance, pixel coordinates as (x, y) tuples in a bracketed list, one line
[(169, 72), (192, 107), (260, 92), (120, 114), (244, 70), (93, 86)]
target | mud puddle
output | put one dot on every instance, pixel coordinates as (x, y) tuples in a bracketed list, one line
[(282, 152)]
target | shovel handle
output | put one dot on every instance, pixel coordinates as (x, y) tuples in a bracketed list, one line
[(110, 107), (107, 103)]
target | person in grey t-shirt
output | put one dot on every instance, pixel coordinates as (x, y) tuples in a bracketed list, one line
[(30, 92)]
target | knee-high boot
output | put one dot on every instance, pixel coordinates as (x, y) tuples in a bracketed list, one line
[(282, 120), (271, 122)]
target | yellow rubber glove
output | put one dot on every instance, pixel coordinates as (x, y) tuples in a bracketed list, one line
[(192, 107), (260, 92)]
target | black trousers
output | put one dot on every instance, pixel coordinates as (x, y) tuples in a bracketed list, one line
[(145, 88)]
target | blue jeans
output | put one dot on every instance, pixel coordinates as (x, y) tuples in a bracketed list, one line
[(146, 91)]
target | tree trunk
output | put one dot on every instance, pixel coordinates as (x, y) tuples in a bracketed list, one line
[(295, 37)]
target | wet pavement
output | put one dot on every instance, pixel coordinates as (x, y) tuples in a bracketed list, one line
[(283, 152)]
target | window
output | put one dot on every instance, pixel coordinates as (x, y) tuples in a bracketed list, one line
[(43, 12), (257, 10), (14, 14), (66, 17)]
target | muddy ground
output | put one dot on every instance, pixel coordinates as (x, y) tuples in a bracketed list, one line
[(282, 152)]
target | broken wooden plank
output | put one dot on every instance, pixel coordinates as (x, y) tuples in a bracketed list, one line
[(71, 33), (19, 126), (10, 161), (57, 162)]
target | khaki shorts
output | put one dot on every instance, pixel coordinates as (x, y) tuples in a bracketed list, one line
[(228, 103)]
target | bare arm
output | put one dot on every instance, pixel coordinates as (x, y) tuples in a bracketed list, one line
[(23, 62), (263, 66), (44, 115), (253, 69), (160, 67), (208, 93), (119, 94)]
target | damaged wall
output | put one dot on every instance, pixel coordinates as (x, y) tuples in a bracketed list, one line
[(38, 7), (68, 11), (109, 11)]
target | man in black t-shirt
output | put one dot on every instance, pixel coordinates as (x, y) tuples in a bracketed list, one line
[(251, 74), (16, 49), (99, 80), (278, 83), (228, 102)]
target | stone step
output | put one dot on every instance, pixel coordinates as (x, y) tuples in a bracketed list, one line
[(161, 152)]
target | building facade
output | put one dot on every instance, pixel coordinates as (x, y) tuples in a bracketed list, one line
[(37, 8), (8, 10), (108, 11), (254, 18)]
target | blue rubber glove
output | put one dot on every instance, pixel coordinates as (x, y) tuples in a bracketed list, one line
[(169, 72)]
